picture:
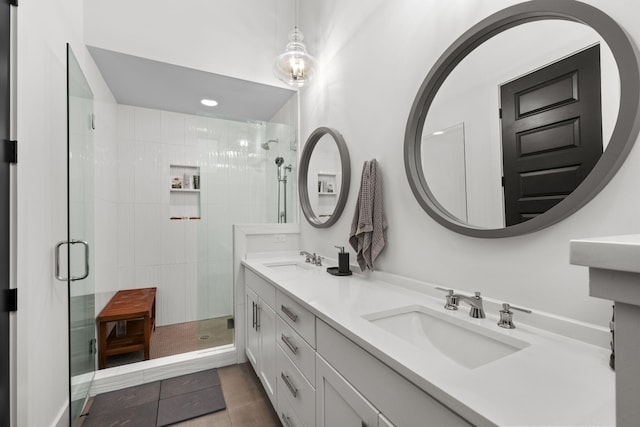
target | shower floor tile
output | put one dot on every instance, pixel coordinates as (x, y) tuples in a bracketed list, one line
[(180, 338)]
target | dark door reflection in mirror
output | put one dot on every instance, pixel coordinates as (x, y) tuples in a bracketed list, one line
[(324, 178), (551, 133), (465, 174)]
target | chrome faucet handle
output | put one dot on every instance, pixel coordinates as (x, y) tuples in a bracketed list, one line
[(452, 300), (506, 315), (307, 256), (318, 261)]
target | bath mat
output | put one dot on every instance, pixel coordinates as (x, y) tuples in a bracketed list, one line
[(143, 415), (115, 401), (190, 405), (189, 383)]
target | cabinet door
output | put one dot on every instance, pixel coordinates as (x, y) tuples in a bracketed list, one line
[(252, 334), (267, 329), (338, 403)]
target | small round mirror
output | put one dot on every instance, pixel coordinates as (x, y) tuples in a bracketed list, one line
[(325, 174)]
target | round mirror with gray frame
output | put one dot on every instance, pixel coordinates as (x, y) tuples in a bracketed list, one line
[(523, 119), (324, 177)]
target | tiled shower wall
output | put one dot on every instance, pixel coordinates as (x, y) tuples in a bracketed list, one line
[(190, 261)]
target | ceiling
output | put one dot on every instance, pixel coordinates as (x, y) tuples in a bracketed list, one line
[(151, 84)]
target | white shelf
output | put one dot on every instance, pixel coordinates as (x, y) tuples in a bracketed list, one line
[(184, 201), (326, 174), (324, 193), (184, 167)]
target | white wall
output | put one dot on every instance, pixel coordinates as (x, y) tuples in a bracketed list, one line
[(44, 28), (234, 38), (374, 57)]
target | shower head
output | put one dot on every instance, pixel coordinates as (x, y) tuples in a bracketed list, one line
[(279, 161), (265, 145)]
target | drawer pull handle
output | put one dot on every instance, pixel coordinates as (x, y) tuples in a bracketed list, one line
[(292, 347), (253, 312), (290, 314), (258, 308), (286, 420), (292, 389)]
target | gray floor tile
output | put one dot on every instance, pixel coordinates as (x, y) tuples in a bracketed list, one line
[(137, 416), (189, 383), (186, 406), (133, 396)]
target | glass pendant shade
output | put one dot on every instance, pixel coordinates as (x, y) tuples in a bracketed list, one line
[(295, 66)]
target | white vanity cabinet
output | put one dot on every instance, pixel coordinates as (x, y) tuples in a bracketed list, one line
[(338, 403), (252, 333), (300, 394), (315, 376), (401, 402), (296, 361), (261, 331), (282, 358)]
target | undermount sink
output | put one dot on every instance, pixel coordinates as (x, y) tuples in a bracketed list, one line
[(464, 342), (289, 267)]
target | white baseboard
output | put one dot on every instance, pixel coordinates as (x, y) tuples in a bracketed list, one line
[(62, 419)]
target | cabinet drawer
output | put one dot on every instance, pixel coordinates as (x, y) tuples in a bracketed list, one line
[(402, 403), (299, 393), (298, 317), (287, 415), (264, 289), (300, 353)]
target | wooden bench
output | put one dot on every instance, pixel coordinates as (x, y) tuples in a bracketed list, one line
[(136, 307)]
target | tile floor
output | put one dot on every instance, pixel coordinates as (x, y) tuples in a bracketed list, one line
[(246, 400)]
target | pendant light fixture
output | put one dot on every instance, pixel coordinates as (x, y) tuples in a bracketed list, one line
[(295, 66)]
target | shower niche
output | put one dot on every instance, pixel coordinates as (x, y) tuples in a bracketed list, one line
[(184, 192)]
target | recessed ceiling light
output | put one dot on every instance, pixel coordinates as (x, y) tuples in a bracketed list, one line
[(439, 132), (209, 102)]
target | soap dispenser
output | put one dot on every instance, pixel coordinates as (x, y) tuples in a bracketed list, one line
[(343, 261)]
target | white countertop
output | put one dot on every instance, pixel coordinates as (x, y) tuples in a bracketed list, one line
[(612, 253), (555, 381)]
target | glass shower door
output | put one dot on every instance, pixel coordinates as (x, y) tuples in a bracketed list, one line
[(80, 238)]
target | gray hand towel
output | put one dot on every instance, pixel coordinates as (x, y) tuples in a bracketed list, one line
[(368, 228)]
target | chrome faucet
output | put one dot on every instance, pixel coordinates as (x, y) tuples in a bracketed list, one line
[(312, 258), (453, 300), (477, 311), (308, 256)]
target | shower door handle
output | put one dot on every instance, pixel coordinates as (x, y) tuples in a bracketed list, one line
[(86, 260)]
